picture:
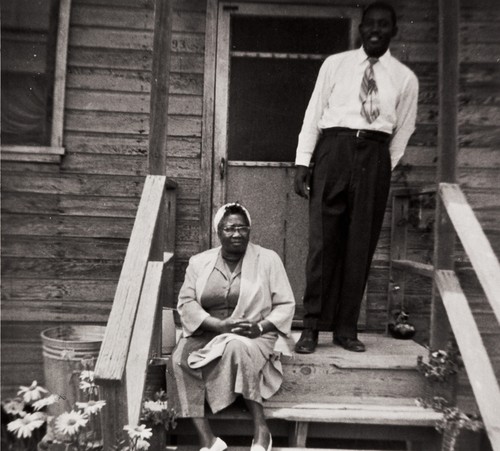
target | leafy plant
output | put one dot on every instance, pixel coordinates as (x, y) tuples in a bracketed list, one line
[(453, 421), (26, 426), (441, 364)]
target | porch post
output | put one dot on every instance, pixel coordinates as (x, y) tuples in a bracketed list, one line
[(449, 69), (159, 88)]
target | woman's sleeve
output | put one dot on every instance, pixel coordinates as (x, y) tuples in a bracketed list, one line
[(283, 302), (191, 312)]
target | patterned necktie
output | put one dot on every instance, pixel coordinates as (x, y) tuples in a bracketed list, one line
[(370, 106)]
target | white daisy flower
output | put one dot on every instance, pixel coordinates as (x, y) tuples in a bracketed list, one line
[(14, 406), (69, 423), (44, 402), (87, 376), (142, 444), (32, 393), (91, 407), (141, 432), (23, 427)]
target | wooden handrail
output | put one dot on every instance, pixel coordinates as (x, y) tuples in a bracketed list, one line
[(479, 369), (113, 355), (487, 268), (142, 339), (474, 241), (133, 332)]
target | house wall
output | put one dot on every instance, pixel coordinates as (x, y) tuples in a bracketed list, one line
[(65, 228)]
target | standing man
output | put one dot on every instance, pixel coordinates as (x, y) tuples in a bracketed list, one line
[(356, 127)]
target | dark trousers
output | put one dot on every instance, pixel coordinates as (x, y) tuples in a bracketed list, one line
[(349, 188)]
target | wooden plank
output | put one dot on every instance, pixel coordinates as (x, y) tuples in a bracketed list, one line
[(185, 105), (139, 60), (24, 353), (105, 79), (187, 63), (208, 126), (188, 43), (64, 247), (30, 203), (28, 167), (107, 122), (419, 268), (398, 246), (275, 448), (111, 38), (477, 363), (134, 165), (133, 4), (56, 136), (444, 242), (190, 84), (108, 17), (112, 358), (358, 414), (30, 157), (107, 101), (59, 311), (57, 289), (160, 87), (42, 150), (115, 144), (60, 268), (141, 340), (184, 126), (76, 226), (475, 243), (298, 434)]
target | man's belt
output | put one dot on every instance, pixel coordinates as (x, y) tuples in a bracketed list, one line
[(361, 134)]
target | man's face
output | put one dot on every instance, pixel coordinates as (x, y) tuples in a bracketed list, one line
[(377, 30)]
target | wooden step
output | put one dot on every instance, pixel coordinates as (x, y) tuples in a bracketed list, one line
[(299, 422), (396, 415), (387, 369), (243, 448)]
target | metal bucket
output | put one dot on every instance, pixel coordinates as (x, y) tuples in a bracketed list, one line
[(64, 348)]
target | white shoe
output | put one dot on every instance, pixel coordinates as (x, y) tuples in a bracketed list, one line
[(219, 445), (260, 447)]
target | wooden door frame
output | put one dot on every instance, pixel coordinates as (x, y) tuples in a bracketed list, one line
[(208, 145)]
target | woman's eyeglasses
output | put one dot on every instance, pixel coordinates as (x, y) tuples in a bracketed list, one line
[(231, 230)]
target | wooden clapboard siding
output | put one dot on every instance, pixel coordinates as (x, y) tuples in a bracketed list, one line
[(65, 228)]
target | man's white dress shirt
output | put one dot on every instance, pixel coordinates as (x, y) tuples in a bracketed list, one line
[(335, 102)]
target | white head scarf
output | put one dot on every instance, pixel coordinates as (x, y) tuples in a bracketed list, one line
[(220, 214)]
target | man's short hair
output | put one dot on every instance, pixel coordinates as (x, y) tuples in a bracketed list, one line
[(381, 5)]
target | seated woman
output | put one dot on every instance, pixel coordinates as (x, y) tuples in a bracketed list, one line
[(235, 302)]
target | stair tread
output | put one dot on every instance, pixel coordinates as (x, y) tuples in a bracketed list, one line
[(275, 448), (382, 352), (404, 413), (392, 415)]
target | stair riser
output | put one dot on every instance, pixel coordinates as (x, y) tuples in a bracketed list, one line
[(318, 383)]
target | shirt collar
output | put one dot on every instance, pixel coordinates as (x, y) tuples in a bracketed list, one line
[(384, 59)]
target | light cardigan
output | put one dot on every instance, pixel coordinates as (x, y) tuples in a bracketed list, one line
[(265, 291)]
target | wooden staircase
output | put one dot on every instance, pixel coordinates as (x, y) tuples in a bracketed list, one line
[(336, 396)]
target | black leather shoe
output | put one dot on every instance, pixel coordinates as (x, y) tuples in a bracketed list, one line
[(307, 342), (351, 344)]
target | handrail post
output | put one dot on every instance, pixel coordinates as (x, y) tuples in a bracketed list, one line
[(399, 234), (444, 243)]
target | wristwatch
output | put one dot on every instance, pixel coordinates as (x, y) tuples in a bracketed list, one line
[(261, 329)]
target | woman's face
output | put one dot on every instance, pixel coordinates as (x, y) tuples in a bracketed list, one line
[(234, 233)]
